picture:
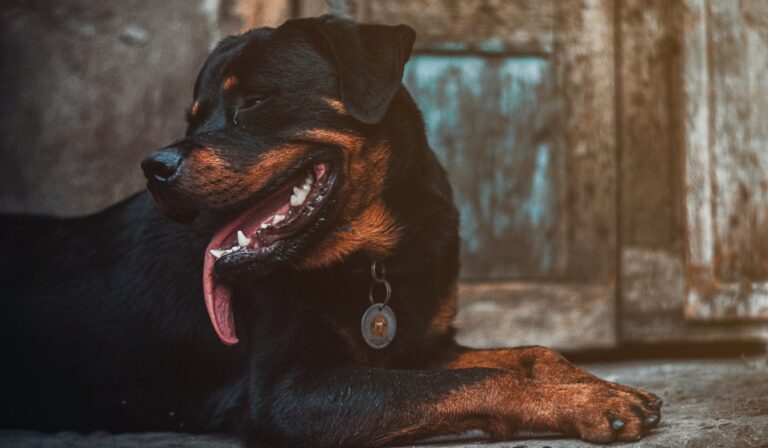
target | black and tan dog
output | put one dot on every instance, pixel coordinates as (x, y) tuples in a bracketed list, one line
[(305, 161)]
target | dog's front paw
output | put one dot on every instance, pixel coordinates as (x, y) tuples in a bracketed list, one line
[(649, 397), (601, 414)]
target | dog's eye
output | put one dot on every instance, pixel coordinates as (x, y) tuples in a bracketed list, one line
[(248, 103), (253, 101)]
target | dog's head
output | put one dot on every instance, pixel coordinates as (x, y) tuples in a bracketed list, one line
[(290, 142)]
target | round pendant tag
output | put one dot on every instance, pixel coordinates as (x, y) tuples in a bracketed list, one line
[(378, 325)]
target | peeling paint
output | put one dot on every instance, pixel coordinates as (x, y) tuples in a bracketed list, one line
[(483, 117)]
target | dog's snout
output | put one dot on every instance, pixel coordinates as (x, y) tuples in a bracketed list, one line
[(162, 165)]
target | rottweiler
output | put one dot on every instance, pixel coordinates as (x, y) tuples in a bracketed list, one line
[(303, 290)]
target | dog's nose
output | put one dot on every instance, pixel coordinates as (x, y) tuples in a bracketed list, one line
[(162, 165)]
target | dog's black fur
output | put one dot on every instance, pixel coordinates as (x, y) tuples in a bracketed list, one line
[(102, 322)]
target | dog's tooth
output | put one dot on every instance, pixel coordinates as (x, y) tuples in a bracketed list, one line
[(264, 225), (296, 190), (217, 253), (242, 240), (298, 198), (277, 219)]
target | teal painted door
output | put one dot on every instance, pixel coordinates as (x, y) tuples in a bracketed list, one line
[(488, 121)]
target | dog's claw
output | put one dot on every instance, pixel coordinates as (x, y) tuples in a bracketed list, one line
[(617, 424), (657, 403), (651, 419)]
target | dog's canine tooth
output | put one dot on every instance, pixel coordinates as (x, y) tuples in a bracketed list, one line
[(217, 253), (277, 219), (242, 240)]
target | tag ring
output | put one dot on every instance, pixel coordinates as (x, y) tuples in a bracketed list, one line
[(387, 293), (378, 278)]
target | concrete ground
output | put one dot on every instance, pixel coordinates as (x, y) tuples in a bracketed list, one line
[(707, 404)]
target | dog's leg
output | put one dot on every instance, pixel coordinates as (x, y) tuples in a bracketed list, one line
[(356, 406), (533, 362)]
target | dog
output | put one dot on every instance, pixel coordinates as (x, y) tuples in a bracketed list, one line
[(303, 198)]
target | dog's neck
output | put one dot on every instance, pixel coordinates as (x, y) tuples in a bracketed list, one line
[(418, 195)]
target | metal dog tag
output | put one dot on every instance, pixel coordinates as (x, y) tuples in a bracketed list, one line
[(378, 325)]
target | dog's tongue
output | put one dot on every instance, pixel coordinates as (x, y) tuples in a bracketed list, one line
[(217, 297)]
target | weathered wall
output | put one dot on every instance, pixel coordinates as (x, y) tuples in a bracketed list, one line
[(88, 88)]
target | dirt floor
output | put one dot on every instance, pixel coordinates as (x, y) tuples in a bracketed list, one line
[(717, 403)]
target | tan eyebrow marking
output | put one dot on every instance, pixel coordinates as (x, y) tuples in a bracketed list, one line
[(336, 105), (348, 141), (195, 108), (230, 82)]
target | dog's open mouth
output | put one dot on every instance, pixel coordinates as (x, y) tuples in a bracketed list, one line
[(257, 232)]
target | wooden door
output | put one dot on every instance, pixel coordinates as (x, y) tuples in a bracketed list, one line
[(725, 117), (691, 92), (518, 98)]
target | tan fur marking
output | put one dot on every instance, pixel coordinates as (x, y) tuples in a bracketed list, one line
[(214, 166), (442, 320), (374, 231), (230, 82), (215, 180), (348, 141), (208, 157), (370, 227), (484, 358), (272, 164), (195, 108), (336, 105)]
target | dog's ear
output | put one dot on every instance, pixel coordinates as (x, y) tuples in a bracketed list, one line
[(369, 59)]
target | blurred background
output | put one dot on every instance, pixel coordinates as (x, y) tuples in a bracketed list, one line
[(610, 158)]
